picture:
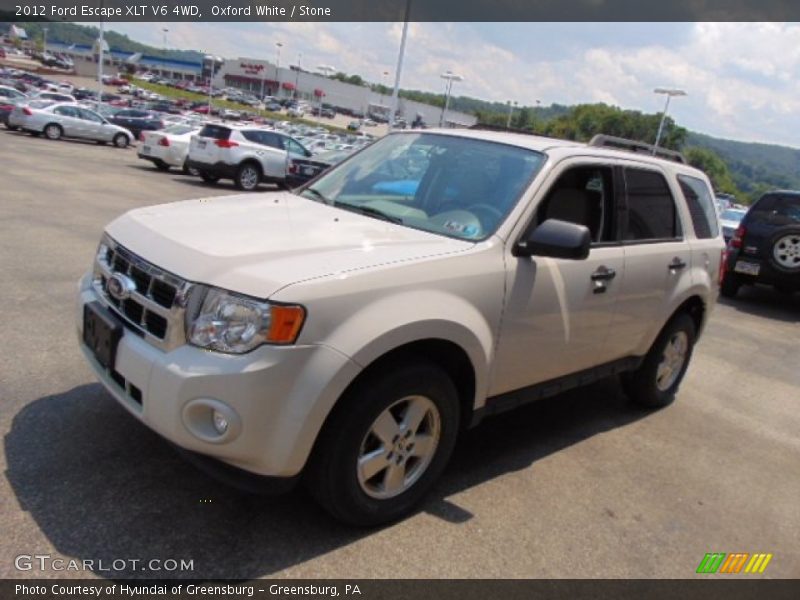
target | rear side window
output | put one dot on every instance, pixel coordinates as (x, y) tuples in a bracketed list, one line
[(215, 131), (651, 213), (777, 209), (701, 206)]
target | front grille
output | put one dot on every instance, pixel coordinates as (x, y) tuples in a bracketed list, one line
[(155, 309)]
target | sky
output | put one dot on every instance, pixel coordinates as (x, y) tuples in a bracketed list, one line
[(742, 79)]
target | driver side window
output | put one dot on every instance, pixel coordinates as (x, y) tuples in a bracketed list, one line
[(583, 195)]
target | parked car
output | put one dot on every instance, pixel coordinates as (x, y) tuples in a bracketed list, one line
[(765, 248), (302, 169), (10, 93), (348, 339), (354, 125), (729, 220), (7, 105), (57, 120), (247, 155), (168, 147), (54, 97), (136, 120)]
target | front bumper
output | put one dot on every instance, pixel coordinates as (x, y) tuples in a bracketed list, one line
[(276, 398)]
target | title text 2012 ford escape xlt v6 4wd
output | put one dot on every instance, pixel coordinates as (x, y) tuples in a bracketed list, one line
[(345, 333)]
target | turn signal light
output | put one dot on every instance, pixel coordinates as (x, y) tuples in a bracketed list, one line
[(285, 323)]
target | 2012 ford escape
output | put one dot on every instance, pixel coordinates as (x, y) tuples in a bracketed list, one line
[(347, 332)]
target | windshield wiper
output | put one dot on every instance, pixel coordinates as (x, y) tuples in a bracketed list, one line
[(368, 211), (318, 194)]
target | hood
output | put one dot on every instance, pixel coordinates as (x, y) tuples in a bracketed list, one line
[(256, 244)]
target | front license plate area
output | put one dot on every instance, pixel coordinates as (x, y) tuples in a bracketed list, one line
[(101, 333), (747, 268)]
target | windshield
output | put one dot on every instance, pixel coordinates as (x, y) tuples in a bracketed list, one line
[(454, 186)]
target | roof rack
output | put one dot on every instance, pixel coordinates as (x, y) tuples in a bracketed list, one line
[(609, 141)]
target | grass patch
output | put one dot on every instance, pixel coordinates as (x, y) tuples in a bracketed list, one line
[(176, 94)]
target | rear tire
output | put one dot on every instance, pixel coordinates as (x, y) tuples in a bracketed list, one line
[(657, 379), (53, 131), (730, 285), (208, 177), (385, 444), (248, 177), (121, 140), (187, 170), (11, 127), (161, 165)]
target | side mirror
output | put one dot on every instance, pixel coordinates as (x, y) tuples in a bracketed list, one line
[(556, 239)]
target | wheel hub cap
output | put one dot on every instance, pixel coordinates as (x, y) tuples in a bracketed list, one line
[(787, 251), (399, 447), (672, 361)]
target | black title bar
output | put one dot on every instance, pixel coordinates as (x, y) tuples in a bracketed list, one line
[(396, 10)]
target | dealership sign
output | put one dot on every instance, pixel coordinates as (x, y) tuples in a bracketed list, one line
[(251, 68)]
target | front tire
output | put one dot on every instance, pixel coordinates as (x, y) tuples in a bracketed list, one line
[(161, 165), (187, 170), (208, 177), (656, 381), (385, 444)]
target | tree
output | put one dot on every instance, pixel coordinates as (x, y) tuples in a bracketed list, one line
[(712, 165)]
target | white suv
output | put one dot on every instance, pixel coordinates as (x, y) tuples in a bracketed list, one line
[(248, 155), (346, 333)]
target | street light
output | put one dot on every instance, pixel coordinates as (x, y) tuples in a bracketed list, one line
[(327, 71), (450, 77), (165, 31), (669, 93), (44, 40), (297, 74), (510, 112), (278, 46)]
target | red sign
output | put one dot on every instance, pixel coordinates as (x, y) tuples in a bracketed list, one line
[(319, 93), (251, 68), (287, 86)]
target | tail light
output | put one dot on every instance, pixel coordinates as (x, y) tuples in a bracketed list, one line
[(738, 237), (292, 168), (27, 111), (6, 107), (225, 143), (141, 136), (723, 261), (163, 141)]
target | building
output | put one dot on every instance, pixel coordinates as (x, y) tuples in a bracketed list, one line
[(84, 57), (255, 76)]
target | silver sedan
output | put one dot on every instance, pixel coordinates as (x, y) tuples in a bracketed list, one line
[(57, 120)]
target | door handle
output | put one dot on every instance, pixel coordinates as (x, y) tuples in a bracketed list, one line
[(676, 264), (603, 274)]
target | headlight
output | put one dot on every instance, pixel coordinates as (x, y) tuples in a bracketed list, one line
[(232, 323)]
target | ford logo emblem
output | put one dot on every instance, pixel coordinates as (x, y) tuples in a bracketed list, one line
[(120, 287)]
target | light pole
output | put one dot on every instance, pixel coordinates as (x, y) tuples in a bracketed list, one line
[(450, 77), (44, 40), (510, 112), (327, 71), (212, 60), (383, 84), (399, 71), (297, 74), (278, 46), (669, 93), (165, 32)]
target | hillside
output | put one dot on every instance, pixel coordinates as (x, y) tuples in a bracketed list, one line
[(71, 33), (754, 167)]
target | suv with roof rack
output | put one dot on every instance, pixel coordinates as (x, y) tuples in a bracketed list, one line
[(346, 333), (765, 248), (248, 155)]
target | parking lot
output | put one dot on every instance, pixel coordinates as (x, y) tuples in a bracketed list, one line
[(579, 485)]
